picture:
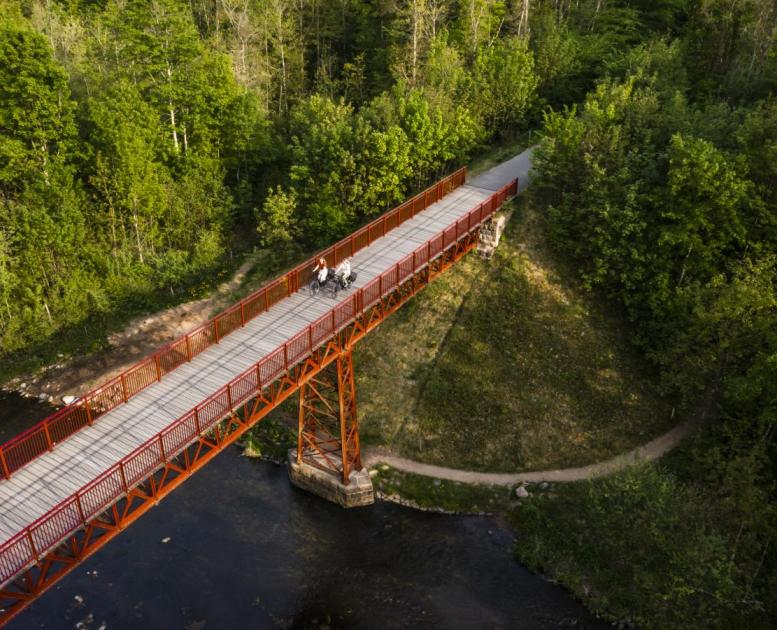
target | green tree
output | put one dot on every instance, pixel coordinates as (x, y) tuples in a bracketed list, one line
[(277, 221), (323, 166), (703, 218), (503, 85), (36, 114)]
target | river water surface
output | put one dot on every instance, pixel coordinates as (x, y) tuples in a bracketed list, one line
[(237, 546)]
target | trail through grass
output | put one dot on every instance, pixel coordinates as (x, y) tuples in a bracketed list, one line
[(505, 365)]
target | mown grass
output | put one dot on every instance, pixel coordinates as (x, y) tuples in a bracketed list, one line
[(506, 365), (440, 494)]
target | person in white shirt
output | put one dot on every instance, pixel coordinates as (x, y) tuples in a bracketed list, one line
[(343, 272)]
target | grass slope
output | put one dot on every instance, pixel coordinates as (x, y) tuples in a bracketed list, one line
[(511, 367)]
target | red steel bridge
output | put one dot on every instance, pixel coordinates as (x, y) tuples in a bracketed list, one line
[(71, 483)]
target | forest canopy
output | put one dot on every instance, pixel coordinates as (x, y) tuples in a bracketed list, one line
[(143, 143)]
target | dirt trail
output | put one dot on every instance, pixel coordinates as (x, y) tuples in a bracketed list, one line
[(648, 452), (76, 376)]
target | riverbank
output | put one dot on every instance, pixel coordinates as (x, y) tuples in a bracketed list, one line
[(237, 546)]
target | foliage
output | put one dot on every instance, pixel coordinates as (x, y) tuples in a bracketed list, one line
[(642, 545), (657, 189), (503, 84)]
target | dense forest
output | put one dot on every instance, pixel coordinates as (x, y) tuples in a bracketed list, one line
[(140, 141), (143, 144), (660, 186)]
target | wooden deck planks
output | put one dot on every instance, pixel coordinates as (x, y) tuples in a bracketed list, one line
[(43, 483)]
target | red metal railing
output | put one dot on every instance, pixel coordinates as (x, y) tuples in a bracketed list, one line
[(35, 540), (42, 437)]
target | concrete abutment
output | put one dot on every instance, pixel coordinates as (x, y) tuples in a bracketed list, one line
[(324, 484)]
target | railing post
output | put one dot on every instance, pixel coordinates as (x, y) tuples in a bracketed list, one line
[(89, 418), (4, 465), (216, 329), (123, 478), (48, 435), (188, 349), (242, 314), (266, 303), (162, 449), (32, 545), (229, 396), (158, 368), (258, 378), (123, 387), (310, 339), (197, 421), (80, 509)]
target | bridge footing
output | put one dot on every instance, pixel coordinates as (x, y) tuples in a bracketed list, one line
[(327, 486)]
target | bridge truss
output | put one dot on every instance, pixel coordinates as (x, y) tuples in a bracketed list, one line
[(317, 363)]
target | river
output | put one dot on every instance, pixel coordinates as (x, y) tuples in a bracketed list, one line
[(237, 546)]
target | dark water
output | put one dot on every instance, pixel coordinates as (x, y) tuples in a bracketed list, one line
[(18, 413), (247, 550)]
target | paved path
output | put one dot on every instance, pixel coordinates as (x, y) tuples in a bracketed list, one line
[(496, 177), (646, 453)]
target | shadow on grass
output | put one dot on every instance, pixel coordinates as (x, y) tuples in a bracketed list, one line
[(527, 372)]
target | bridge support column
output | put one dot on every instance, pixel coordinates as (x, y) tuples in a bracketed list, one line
[(327, 460)]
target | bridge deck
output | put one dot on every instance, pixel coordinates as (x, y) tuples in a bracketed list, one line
[(51, 478)]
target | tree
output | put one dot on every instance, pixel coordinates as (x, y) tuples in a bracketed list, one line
[(503, 84), (40, 219), (36, 113), (277, 221), (703, 219), (161, 44), (128, 175), (480, 23), (323, 166)]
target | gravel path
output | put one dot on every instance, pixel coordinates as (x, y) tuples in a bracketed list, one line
[(647, 452)]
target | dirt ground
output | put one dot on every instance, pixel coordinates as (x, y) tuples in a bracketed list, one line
[(78, 375)]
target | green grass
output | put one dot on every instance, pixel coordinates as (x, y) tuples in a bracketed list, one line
[(450, 496), (273, 436), (505, 366)]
